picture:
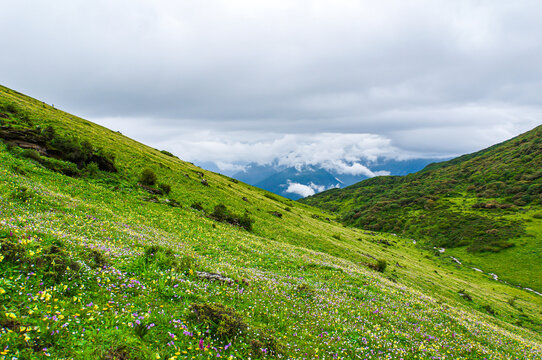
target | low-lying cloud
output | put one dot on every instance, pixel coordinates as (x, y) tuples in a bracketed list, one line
[(304, 190)]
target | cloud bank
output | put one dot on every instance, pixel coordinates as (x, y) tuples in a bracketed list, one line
[(304, 190), (304, 82)]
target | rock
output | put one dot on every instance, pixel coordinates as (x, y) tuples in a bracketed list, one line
[(4, 116), (214, 277), (276, 213), (204, 182), (150, 190), (245, 199)]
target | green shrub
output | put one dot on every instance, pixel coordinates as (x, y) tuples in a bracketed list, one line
[(165, 152), (222, 322), (60, 166), (56, 262), (380, 265), (10, 248), (31, 154), (166, 188), (91, 169), (22, 194), (160, 257), (197, 206), (147, 177), (97, 259), (304, 290), (222, 214), (489, 309), (266, 344)]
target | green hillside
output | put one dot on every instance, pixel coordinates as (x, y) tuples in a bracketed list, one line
[(110, 249), (486, 207)]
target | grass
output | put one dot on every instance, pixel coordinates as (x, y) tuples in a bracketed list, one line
[(483, 207), (125, 281)]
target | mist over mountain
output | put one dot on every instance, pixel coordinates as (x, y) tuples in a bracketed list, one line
[(295, 182)]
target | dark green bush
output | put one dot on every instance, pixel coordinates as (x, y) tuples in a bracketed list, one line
[(10, 248), (91, 169), (222, 214), (166, 188), (160, 257), (56, 261), (380, 265), (22, 194), (222, 322), (147, 177), (266, 344), (31, 154), (63, 167), (97, 259), (165, 152), (197, 206)]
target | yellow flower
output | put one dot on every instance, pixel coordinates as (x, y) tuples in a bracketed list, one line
[(1, 257), (2, 291)]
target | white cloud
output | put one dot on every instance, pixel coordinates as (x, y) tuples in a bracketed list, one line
[(354, 169), (304, 190), (304, 82)]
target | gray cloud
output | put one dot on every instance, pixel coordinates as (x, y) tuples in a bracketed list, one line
[(225, 81)]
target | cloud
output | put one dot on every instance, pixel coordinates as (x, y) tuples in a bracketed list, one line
[(299, 81), (354, 169), (304, 190)]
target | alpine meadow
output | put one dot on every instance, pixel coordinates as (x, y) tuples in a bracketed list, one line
[(111, 249)]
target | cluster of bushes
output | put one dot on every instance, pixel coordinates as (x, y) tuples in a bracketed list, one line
[(380, 265), (68, 155), (54, 260), (222, 214), (157, 257), (149, 179), (422, 204), (227, 325)]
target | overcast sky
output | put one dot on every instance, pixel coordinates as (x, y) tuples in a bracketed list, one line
[(310, 81)]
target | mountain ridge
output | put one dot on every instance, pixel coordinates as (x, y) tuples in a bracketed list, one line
[(481, 202)]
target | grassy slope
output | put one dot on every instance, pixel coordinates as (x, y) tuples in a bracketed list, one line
[(307, 288), (442, 205)]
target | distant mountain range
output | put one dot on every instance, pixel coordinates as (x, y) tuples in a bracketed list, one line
[(298, 182)]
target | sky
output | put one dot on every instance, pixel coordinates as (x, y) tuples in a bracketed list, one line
[(297, 82)]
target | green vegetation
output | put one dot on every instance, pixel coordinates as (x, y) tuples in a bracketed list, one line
[(147, 177), (91, 268), (478, 203)]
